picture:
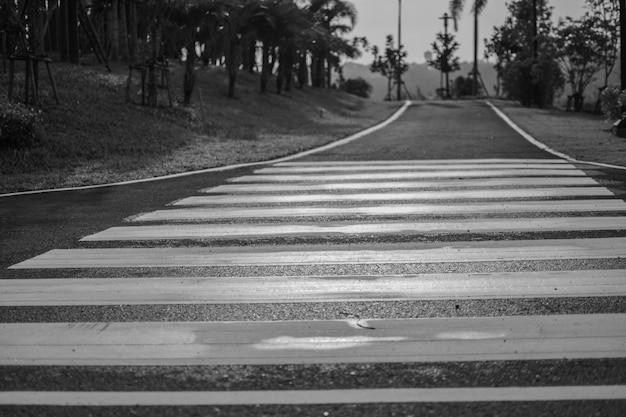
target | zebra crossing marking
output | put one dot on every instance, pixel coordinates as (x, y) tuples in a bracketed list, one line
[(219, 290), (322, 341), (517, 338), (488, 251), (402, 167), (427, 162), (382, 176), (397, 196), (223, 231), (314, 397), (448, 183), (223, 213)]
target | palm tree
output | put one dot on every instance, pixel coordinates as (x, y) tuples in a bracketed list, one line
[(331, 19), (237, 20), (456, 7)]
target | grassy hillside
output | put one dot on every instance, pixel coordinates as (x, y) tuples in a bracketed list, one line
[(95, 137)]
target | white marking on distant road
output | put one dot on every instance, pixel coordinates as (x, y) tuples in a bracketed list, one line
[(306, 342), (422, 162), (449, 183), (484, 251), (382, 176), (397, 196), (217, 231), (223, 213), (218, 290), (404, 167)]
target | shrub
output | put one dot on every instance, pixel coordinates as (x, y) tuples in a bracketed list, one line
[(18, 125), (612, 101), (357, 86)]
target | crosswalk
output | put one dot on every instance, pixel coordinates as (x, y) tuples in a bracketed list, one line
[(337, 238)]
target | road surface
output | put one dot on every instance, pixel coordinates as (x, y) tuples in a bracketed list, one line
[(440, 266)]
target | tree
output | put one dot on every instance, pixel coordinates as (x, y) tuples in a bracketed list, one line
[(331, 19), (236, 30), (496, 47), (189, 23), (444, 49), (605, 17), (579, 46), (390, 65), (456, 7), (530, 72), (357, 86)]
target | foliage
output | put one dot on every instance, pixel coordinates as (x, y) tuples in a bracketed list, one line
[(456, 7), (392, 65), (530, 75), (357, 86), (613, 101), (463, 86), (18, 125), (445, 61), (578, 43), (605, 18), (444, 48)]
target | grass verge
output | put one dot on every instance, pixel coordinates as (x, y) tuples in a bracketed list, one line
[(584, 136), (95, 137)]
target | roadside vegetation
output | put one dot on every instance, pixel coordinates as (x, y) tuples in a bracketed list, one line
[(95, 137), (249, 80)]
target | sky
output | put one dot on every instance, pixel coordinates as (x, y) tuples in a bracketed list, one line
[(421, 23)]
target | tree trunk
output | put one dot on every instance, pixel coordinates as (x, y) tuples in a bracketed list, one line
[(303, 71), (123, 33), (265, 67), (189, 81), (622, 18), (64, 49), (232, 66), (152, 76), (132, 31), (72, 31), (287, 63), (53, 30), (114, 30)]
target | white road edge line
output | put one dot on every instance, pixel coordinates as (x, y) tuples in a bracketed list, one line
[(543, 146), (310, 397), (331, 145)]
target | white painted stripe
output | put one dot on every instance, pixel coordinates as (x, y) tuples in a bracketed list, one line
[(371, 185), (422, 162), (306, 342), (398, 196), (222, 213), (382, 176), (365, 167), (219, 290), (310, 397), (212, 231), (484, 251)]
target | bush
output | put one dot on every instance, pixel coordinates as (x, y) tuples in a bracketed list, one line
[(18, 126), (612, 101), (357, 86)]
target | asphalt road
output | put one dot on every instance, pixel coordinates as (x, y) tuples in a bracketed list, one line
[(233, 285)]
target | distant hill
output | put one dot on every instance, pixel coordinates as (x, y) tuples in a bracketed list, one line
[(418, 76)]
